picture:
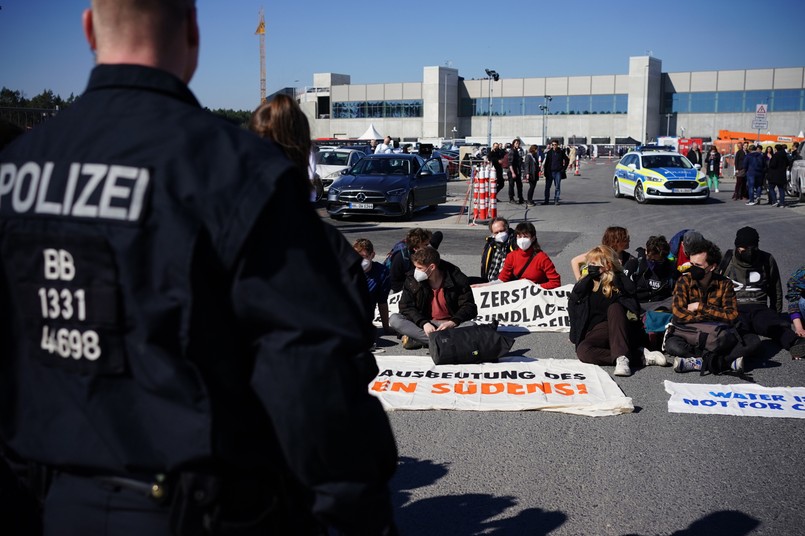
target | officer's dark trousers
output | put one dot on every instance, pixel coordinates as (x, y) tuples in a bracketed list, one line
[(768, 323), (82, 506)]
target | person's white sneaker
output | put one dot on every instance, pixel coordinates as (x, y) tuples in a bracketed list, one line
[(687, 364), (716, 190), (654, 358), (622, 366), (737, 365)]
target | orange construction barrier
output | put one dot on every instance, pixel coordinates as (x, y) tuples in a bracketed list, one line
[(493, 195), (484, 193), (577, 167), (476, 188)]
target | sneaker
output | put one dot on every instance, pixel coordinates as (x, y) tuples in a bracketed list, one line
[(622, 366), (750, 203), (410, 344), (556, 203), (798, 349), (654, 358), (687, 364), (375, 350), (737, 365), (545, 202), (716, 190)]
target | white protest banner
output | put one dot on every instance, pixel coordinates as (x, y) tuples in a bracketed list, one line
[(561, 385), (524, 305), (746, 399), (516, 305)]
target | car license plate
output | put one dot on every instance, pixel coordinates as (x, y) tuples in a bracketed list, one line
[(361, 205), (682, 190)]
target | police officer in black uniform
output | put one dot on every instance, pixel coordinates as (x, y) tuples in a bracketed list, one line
[(172, 366)]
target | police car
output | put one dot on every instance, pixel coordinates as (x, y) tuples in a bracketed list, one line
[(653, 172)]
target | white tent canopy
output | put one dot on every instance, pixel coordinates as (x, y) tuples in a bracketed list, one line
[(371, 134)]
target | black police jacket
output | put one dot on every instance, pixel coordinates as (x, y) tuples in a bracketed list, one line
[(152, 319)]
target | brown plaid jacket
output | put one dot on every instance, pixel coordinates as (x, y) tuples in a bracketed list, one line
[(718, 300)]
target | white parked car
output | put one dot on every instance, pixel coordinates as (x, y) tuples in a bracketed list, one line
[(330, 162)]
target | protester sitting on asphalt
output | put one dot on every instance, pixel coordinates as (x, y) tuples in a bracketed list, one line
[(604, 316), (500, 243), (702, 295), (400, 264), (528, 261), (796, 304), (436, 296), (616, 238), (759, 291), (377, 281), (655, 276)]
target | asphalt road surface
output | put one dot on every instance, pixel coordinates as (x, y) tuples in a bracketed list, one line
[(650, 472)]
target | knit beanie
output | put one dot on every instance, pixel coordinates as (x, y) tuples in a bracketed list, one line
[(746, 237)]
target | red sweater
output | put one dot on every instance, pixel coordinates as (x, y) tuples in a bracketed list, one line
[(540, 271)]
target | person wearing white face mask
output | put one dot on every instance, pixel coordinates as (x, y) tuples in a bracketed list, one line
[(499, 244), (528, 261), (436, 296), (377, 281)]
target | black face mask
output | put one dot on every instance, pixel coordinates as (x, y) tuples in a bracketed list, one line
[(697, 273), (747, 255), (594, 272)]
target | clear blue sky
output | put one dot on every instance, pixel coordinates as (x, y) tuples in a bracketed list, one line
[(42, 45)]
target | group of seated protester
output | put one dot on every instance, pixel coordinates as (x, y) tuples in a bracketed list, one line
[(704, 310), (713, 307)]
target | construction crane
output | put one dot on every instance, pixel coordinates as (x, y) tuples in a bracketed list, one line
[(261, 31)]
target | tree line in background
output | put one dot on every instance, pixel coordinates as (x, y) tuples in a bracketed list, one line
[(47, 100)]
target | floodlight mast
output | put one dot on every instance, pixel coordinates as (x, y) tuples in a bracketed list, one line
[(492, 75)]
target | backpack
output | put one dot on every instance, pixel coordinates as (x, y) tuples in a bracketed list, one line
[(400, 246), (505, 160), (676, 244)]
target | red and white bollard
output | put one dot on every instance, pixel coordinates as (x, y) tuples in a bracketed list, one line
[(577, 167)]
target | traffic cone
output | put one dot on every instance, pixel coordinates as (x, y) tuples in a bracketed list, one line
[(493, 195), (475, 193), (483, 201)]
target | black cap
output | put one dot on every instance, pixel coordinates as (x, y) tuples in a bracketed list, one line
[(746, 237)]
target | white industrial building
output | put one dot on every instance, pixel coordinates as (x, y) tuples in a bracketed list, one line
[(643, 103)]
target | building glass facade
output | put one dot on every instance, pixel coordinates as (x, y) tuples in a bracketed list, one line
[(376, 109), (560, 105), (778, 100)]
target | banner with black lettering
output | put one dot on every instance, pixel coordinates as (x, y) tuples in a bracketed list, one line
[(559, 385), (745, 399), (516, 305)]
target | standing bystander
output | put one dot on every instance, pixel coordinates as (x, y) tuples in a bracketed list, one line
[(554, 166)]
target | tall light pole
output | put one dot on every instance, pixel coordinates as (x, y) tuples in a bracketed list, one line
[(544, 108), (492, 74), (444, 109)]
